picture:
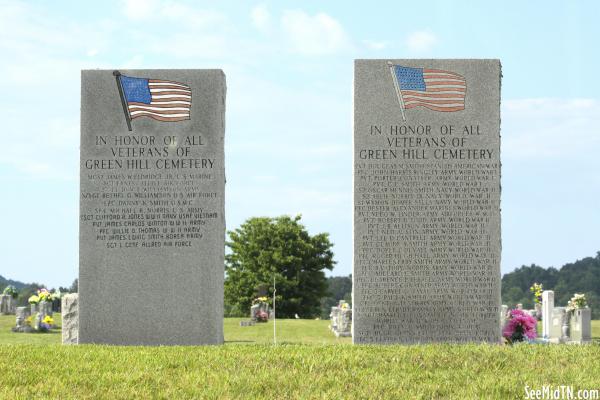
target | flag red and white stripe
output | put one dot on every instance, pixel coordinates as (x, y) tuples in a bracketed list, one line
[(171, 101), (444, 91)]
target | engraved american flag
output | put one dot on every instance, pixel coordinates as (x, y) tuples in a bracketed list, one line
[(435, 89), (158, 99)]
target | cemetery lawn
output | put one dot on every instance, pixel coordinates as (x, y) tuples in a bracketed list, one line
[(310, 364)]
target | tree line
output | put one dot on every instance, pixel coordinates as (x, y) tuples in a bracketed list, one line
[(581, 276)]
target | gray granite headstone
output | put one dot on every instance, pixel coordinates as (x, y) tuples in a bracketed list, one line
[(557, 316), (333, 317), (152, 225), (8, 304), (426, 201), (70, 318), (254, 309), (547, 308), (581, 325), (344, 328), (21, 314)]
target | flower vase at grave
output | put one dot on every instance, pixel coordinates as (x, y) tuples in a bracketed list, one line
[(565, 327), (538, 311), (34, 308), (264, 307), (46, 308), (37, 320), (41, 311)]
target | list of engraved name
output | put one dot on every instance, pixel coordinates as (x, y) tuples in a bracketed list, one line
[(149, 191), (426, 201)]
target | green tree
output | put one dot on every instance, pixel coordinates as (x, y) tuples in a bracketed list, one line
[(74, 286), (263, 248)]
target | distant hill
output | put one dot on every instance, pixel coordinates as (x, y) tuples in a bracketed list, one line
[(582, 276), (5, 282)]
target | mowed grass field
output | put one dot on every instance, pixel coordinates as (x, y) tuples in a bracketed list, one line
[(308, 362)]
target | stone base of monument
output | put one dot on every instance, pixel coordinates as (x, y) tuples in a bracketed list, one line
[(343, 334), (70, 318), (23, 329)]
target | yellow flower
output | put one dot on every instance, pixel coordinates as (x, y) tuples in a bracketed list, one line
[(49, 320)]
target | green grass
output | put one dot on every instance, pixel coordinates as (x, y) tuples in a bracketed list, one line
[(290, 331), (296, 331), (9, 337), (311, 364)]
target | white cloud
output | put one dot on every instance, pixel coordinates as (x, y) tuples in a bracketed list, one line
[(172, 12), (421, 41), (186, 45), (550, 128), (261, 18), (56, 151), (193, 17), (192, 32), (375, 45), (46, 56), (139, 9), (314, 35)]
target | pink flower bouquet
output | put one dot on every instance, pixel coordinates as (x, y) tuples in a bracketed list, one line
[(520, 327), (262, 316)]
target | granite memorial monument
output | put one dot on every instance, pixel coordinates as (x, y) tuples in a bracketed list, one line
[(152, 225), (426, 201)]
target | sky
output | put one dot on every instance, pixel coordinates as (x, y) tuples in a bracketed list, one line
[(288, 144)]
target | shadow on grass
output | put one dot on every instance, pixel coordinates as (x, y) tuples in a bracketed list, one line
[(240, 341)]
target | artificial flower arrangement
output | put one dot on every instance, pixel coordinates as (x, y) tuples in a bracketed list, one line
[(537, 289), (520, 327), (261, 315), (44, 325), (261, 300), (11, 291), (44, 295), (576, 302)]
